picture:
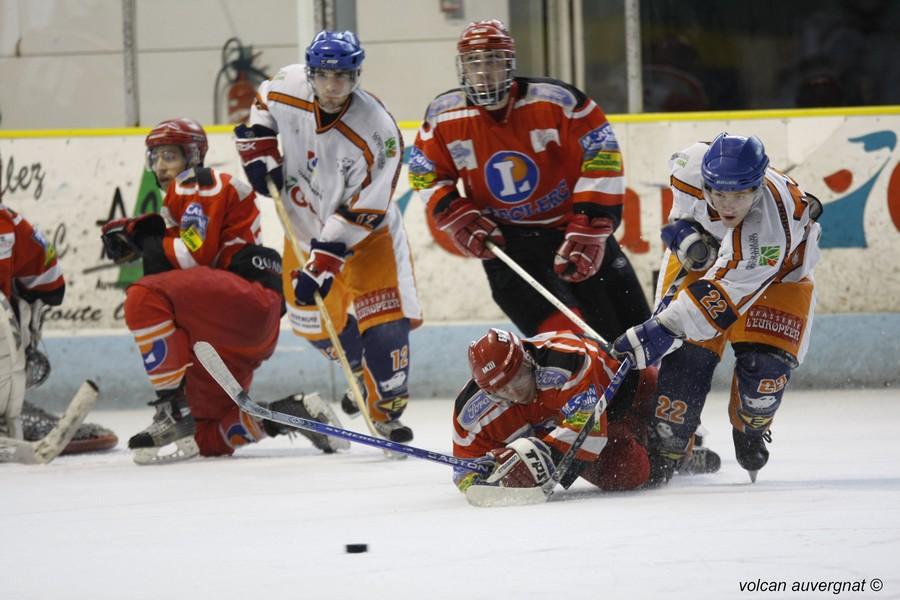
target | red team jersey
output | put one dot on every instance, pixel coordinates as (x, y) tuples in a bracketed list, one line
[(571, 374), (209, 217), (552, 151), (27, 258)]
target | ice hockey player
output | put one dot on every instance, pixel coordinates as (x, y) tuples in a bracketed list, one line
[(543, 178), (30, 278), (205, 278), (342, 157), (747, 238), (527, 401)]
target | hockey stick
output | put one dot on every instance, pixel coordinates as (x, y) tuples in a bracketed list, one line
[(217, 369), (539, 288), (484, 495), (326, 319), (49, 447)]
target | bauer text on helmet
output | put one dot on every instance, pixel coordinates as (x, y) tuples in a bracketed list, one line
[(333, 65), (733, 169), (486, 62)]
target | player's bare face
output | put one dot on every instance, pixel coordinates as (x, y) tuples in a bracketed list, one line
[(166, 162), (332, 88), (732, 206), (521, 389)]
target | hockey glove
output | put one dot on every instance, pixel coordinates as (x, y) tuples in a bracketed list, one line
[(525, 462), (469, 229), (123, 238), (325, 262), (258, 147), (581, 253), (692, 245), (646, 344)]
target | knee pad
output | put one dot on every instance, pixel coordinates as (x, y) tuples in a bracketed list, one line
[(623, 465), (761, 374), (350, 342), (685, 377), (386, 349)]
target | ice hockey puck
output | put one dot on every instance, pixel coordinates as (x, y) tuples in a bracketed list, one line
[(357, 548)]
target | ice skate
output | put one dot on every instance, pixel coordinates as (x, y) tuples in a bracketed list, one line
[(173, 424), (394, 430), (751, 451), (312, 407), (349, 406), (699, 461), (37, 423)]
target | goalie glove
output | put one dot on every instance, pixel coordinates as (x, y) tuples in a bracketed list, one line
[(123, 239), (695, 249), (581, 253), (325, 262), (525, 462), (258, 148)]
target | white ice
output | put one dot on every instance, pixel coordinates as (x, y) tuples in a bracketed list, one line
[(273, 521)]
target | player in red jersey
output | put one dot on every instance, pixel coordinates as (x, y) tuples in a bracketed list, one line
[(30, 277), (543, 177), (205, 278), (529, 398)]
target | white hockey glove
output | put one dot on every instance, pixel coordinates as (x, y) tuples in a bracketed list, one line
[(525, 462)]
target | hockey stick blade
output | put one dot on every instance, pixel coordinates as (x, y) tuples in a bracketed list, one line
[(213, 363), (490, 496), (51, 445)]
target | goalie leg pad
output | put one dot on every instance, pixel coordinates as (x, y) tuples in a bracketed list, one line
[(12, 372), (623, 465), (761, 374)]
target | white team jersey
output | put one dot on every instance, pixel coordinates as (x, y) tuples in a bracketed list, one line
[(339, 178), (776, 241)]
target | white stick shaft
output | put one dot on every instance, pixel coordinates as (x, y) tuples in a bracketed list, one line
[(499, 253)]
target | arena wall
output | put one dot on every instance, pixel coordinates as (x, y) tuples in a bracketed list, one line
[(67, 183)]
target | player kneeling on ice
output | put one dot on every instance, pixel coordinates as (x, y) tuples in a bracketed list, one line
[(526, 403), (747, 237), (206, 277)]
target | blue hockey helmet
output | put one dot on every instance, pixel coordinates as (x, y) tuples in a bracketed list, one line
[(734, 163), (335, 51)]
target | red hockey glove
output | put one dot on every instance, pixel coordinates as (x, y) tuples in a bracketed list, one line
[(258, 147), (525, 462), (469, 229), (123, 238), (580, 254), (325, 262)]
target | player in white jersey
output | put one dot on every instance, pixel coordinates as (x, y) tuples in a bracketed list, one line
[(342, 155), (743, 239)]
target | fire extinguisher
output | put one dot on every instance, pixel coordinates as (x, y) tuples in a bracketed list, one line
[(236, 82)]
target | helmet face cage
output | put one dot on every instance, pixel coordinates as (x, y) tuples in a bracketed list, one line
[(184, 133), (733, 170), (486, 62), (335, 53)]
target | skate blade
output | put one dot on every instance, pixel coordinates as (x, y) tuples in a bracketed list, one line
[(752, 475), (184, 449)]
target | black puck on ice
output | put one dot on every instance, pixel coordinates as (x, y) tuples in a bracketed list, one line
[(357, 548)]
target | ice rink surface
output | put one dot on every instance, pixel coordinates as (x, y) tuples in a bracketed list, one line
[(273, 521)]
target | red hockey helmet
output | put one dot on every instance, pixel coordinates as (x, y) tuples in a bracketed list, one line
[(486, 61), (186, 133), (499, 366)]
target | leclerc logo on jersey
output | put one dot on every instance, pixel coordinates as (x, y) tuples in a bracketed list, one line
[(511, 176)]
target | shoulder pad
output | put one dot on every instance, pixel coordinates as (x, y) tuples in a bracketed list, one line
[(452, 100), (553, 91), (684, 165)]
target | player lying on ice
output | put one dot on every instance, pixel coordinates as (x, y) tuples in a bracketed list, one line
[(747, 237), (527, 400), (205, 278)]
